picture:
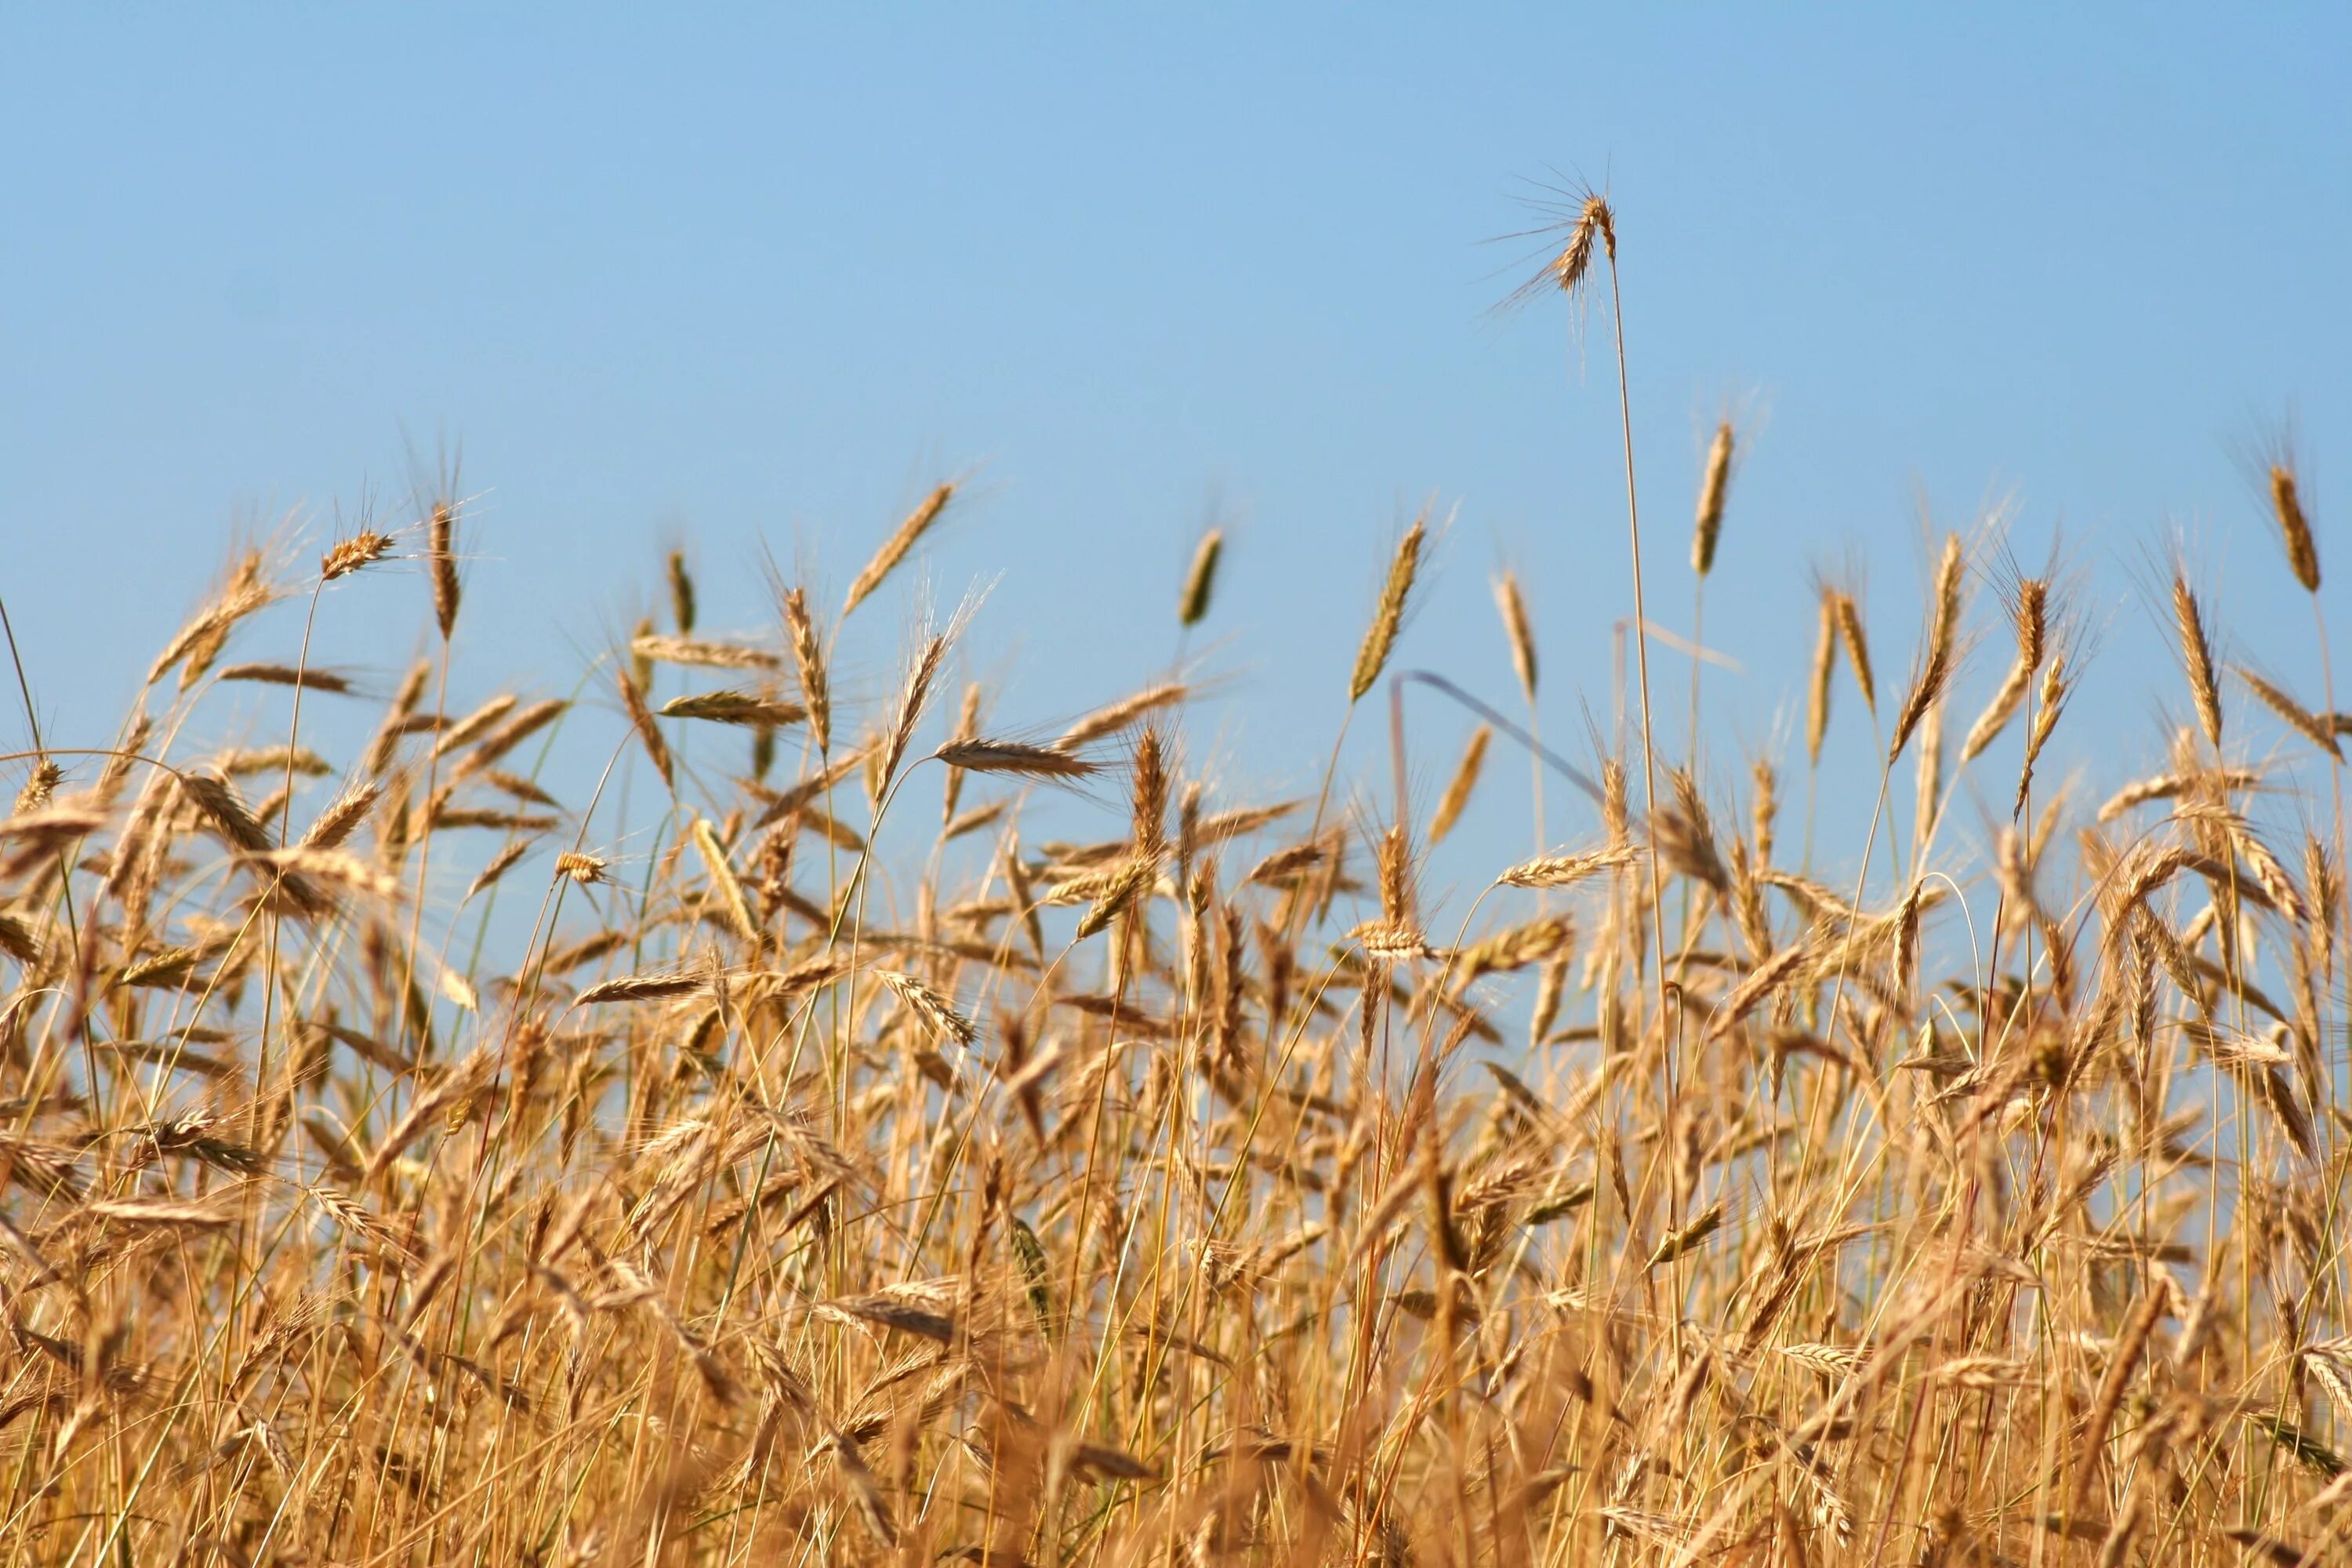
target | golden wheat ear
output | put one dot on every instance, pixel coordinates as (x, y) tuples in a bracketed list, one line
[(1388, 613), (1714, 485), (1200, 579)]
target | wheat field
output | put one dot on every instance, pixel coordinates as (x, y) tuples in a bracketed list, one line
[(1198, 1191)]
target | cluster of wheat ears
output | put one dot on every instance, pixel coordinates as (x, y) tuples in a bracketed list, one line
[(1188, 1197)]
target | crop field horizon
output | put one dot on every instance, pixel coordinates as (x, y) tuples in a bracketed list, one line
[(732, 1108)]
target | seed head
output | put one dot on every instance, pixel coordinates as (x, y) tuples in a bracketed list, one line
[(1192, 604), (1513, 607), (2294, 527), (1387, 616), (362, 549), (583, 868), (1711, 491), (681, 594), (2197, 659)]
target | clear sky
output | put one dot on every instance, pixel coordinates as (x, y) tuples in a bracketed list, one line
[(765, 275)]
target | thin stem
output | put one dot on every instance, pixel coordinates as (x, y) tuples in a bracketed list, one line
[(1641, 654)]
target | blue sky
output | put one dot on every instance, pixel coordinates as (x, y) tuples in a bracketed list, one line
[(759, 279)]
